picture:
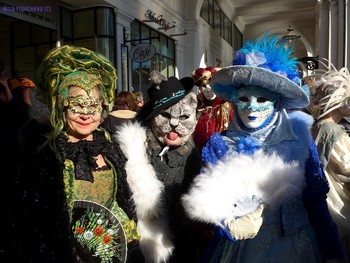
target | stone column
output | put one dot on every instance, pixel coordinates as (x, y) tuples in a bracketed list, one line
[(341, 33), (323, 29), (347, 35), (333, 32)]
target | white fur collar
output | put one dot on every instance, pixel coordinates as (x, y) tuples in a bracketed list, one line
[(155, 241)]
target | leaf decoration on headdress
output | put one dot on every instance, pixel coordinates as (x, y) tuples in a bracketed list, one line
[(156, 78), (59, 62)]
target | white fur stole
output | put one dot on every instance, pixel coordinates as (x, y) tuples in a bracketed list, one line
[(155, 242), (219, 188)]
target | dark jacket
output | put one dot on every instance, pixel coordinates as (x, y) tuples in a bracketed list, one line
[(177, 169), (42, 218)]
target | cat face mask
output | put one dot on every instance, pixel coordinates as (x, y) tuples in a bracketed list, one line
[(174, 125)]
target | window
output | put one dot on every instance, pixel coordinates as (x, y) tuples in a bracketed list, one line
[(238, 38), (125, 66), (30, 44), (84, 24), (163, 60), (212, 13), (92, 28)]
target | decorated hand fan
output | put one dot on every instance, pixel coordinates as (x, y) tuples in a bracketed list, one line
[(98, 234)]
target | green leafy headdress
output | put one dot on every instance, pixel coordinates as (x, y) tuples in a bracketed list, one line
[(63, 61), (69, 66)]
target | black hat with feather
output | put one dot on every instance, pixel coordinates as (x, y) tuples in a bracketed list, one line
[(164, 93)]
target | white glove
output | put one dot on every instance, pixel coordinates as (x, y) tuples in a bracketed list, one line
[(247, 226), (208, 93)]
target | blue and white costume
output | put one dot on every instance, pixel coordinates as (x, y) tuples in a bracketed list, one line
[(275, 164)]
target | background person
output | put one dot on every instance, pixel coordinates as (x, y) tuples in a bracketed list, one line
[(213, 113), (331, 100), (140, 100), (125, 109)]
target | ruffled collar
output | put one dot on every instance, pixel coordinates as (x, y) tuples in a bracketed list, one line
[(279, 129), (83, 153)]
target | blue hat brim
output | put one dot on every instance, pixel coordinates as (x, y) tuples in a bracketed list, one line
[(226, 80)]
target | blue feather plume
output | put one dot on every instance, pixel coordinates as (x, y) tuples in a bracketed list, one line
[(270, 53)]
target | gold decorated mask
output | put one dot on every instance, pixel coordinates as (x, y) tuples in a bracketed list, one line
[(83, 105)]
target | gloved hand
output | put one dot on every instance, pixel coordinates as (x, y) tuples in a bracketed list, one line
[(247, 226), (208, 93)]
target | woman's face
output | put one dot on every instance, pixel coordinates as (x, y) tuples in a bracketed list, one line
[(83, 113), (255, 106)]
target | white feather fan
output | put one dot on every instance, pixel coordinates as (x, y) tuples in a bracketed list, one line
[(237, 185)]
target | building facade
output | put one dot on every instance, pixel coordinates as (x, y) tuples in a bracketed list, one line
[(173, 37)]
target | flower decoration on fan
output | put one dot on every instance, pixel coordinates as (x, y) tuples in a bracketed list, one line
[(97, 234)]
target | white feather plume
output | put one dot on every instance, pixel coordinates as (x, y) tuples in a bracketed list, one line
[(330, 88)]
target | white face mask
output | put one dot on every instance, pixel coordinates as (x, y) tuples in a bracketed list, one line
[(255, 106), (208, 92)]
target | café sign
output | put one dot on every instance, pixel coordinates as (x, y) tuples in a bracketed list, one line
[(142, 52)]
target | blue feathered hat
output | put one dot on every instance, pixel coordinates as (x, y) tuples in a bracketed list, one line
[(267, 64)]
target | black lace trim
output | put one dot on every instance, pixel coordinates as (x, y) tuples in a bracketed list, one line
[(83, 154)]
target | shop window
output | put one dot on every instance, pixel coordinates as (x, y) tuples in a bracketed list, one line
[(140, 75), (171, 67), (144, 34), (105, 21), (171, 50), (93, 28), (88, 43), (24, 60), (66, 23), (30, 43), (163, 60), (39, 34), (105, 46), (83, 23), (125, 66), (21, 33)]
